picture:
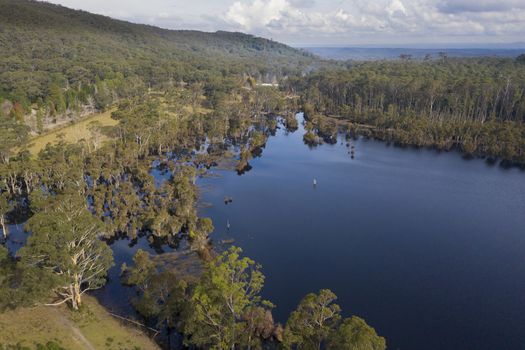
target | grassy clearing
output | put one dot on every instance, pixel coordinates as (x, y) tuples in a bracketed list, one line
[(198, 110), (71, 133), (92, 328)]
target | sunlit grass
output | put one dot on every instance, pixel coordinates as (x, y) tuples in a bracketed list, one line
[(41, 324), (72, 133)]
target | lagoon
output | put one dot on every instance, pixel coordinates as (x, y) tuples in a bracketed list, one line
[(427, 247)]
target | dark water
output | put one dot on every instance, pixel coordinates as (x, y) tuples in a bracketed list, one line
[(373, 54), (428, 247), (114, 295)]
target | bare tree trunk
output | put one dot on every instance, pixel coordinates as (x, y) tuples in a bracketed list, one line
[(76, 297), (4, 227)]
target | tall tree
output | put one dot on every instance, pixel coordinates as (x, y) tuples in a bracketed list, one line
[(12, 134), (21, 285), (198, 235), (312, 322), (227, 291), (65, 241), (161, 294), (355, 334), (316, 324), (5, 207)]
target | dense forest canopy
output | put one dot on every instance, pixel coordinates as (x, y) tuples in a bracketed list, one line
[(61, 59), (184, 101), (463, 89), (59, 64), (476, 105)]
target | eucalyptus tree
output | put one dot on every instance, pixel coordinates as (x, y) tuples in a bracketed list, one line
[(317, 324), (61, 168), (185, 194), (310, 325), (432, 103), (161, 294), (12, 134), (65, 242), (22, 285), (355, 334), (198, 235), (5, 207), (220, 302)]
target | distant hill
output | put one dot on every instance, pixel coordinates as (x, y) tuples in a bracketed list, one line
[(46, 45), (377, 53)]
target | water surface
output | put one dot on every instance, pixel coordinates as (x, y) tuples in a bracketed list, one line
[(428, 247)]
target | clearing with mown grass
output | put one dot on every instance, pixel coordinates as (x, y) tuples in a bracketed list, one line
[(89, 329), (72, 133)]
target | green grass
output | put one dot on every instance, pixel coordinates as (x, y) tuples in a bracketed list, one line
[(91, 328), (72, 133)]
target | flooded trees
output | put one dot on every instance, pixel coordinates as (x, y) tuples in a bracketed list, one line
[(317, 324), (160, 293), (198, 234), (311, 139), (443, 105), (222, 308), (313, 320), (291, 123), (243, 165), (229, 288), (185, 196), (355, 334)]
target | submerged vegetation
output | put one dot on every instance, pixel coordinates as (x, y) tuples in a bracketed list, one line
[(79, 198), (223, 309), (180, 103), (474, 105)]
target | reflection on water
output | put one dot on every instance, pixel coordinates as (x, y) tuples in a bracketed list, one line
[(428, 247)]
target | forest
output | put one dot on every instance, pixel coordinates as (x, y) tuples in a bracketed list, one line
[(76, 199), (49, 72), (474, 105), (186, 101)]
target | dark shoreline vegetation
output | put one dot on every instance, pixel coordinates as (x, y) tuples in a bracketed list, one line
[(66, 246), (474, 105), (185, 102)]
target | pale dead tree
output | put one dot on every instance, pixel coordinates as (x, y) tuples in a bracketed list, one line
[(95, 130), (4, 208)]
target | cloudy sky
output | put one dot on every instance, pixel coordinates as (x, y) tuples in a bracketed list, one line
[(332, 22)]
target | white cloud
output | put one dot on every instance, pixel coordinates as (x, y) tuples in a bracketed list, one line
[(358, 20), (258, 13), (396, 7), (331, 21)]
